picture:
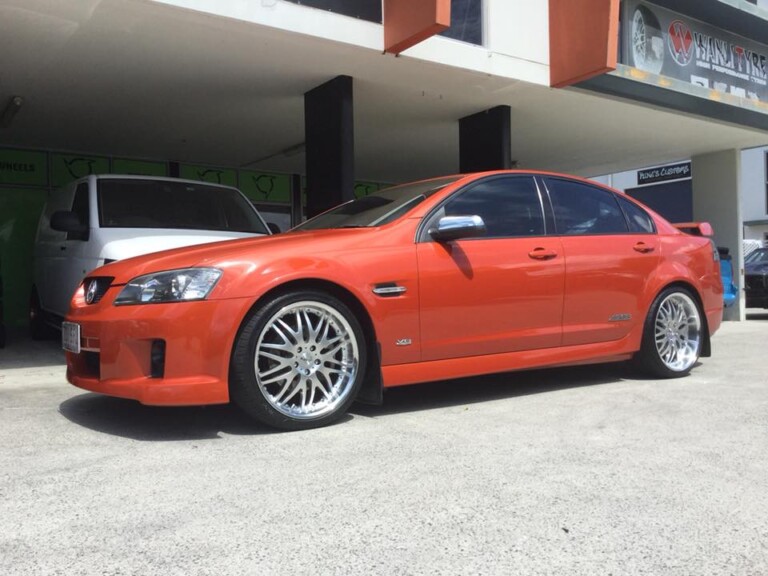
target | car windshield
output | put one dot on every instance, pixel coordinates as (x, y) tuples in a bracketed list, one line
[(759, 256), (140, 203), (378, 208)]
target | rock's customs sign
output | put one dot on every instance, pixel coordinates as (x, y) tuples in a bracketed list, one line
[(664, 173), (660, 41)]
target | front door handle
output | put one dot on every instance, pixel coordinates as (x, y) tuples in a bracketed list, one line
[(643, 248), (542, 254)]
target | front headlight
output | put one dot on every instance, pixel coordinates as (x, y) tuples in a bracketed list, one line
[(170, 286)]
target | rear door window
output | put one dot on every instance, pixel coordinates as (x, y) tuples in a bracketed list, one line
[(581, 209)]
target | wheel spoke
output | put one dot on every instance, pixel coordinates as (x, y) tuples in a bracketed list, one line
[(282, 324)]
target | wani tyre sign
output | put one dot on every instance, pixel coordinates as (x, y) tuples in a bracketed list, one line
[(660, 41)]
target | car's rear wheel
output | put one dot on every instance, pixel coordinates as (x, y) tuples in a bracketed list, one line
[(673, 335), (298, 361)]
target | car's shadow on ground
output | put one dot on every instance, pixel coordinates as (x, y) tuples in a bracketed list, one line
[(508, 385), (129, 419)]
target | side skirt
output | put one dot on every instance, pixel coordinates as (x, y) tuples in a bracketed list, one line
[(402, 374)]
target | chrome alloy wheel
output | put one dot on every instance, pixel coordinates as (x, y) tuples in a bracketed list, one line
[(307, 360), (677, 332), (639, 40)]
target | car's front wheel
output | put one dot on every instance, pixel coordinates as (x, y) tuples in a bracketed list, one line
[(673, 335), (298, 361)]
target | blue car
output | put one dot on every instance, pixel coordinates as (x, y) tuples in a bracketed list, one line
[(730, 290)]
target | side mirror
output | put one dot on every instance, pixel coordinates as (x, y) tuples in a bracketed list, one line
[(274, 228), (65, 221), (457, 227)]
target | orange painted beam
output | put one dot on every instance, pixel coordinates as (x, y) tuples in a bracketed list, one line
[(583, 39), (408, 22)]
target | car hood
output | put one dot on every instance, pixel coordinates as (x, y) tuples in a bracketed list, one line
[(122, 243), (243, 253)]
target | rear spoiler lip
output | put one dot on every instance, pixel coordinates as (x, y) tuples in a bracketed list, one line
[(695, 228)]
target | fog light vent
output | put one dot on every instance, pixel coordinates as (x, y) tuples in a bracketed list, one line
[(157, 362)]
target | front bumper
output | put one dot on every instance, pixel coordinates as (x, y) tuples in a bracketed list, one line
[(120, 353)]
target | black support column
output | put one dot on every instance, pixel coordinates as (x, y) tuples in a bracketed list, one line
[(330, 152), (485, 140)]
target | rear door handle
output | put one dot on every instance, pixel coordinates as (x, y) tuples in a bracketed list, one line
[(643, 248), (542, 254)]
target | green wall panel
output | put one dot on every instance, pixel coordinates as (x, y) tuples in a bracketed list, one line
[(19, 212), (266, 186), (68, 167), (139, 167), (211, 174), (23, 167)]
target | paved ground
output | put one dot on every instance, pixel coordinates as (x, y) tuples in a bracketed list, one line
[(573, 471)]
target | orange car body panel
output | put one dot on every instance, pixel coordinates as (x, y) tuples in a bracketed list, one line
[(464, 311)]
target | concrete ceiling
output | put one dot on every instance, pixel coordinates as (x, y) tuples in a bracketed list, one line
[(136, 78)]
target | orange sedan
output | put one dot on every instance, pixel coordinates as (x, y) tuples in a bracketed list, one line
[(444, 278)]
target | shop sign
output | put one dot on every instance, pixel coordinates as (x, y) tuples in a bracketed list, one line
[(68, 167), (265, 186), (23, 167), (211, 174), (139, 167), (664, 173), (664, 42)]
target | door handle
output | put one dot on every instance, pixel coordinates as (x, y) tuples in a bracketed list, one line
[(542, 254), (62, 247), (643, 248)]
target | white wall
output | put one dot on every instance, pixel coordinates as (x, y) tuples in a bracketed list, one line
[(753, 179), (518, 28), (516, 43), (716, 193)]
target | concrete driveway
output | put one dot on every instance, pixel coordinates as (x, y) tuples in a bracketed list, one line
[(570, 471)]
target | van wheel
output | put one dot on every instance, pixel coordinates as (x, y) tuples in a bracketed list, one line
[(298, 361), (38, 328)]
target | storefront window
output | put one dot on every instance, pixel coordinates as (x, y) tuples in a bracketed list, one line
[(466, 15), (466, 21), (369, 10)]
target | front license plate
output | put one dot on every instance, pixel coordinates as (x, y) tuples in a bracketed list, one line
[(70, 337)]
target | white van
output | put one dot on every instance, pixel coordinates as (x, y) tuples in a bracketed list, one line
[(99, 219)]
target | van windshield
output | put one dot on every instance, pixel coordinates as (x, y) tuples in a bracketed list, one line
[(139, 203)]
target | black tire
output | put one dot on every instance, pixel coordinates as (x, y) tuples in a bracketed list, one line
[(673, 335), (39, 329), (287, 370)]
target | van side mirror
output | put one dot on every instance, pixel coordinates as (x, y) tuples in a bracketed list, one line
[(69, 222), (274, 228), (457, 227)]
